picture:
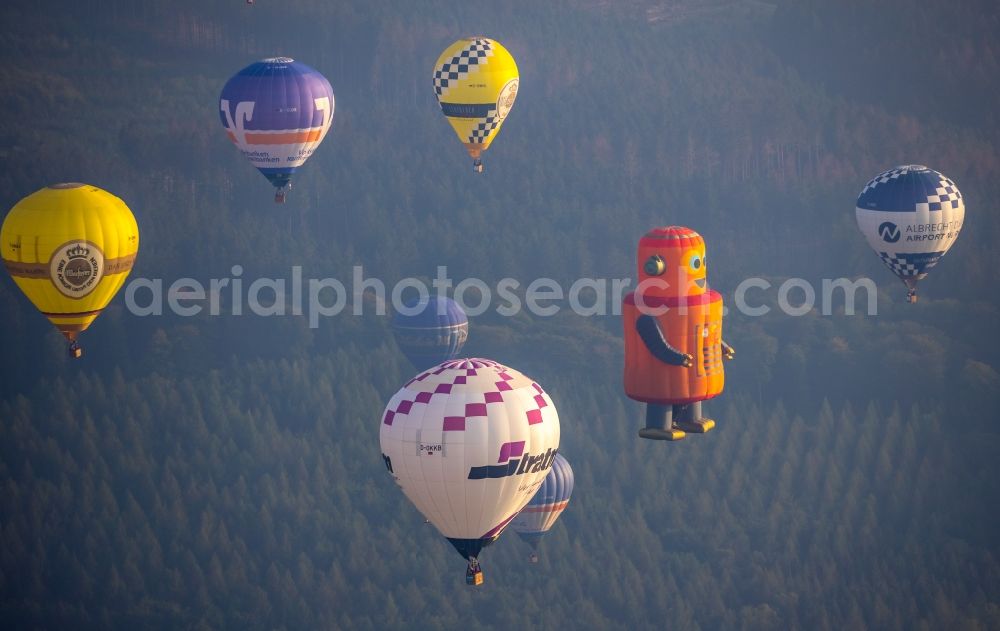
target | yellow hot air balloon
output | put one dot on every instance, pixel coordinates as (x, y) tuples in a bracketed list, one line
[(476, 80), (69, 247)]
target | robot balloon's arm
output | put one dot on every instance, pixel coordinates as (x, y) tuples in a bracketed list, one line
[(728, 351), (652, 336)]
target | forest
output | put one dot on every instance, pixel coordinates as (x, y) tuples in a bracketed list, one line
[(223, 471)]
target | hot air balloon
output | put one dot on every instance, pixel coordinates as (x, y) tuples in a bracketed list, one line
[(435, 333), (911, 216), (277, 111), (69, 247), (469, 442), (475, 80), (546, 506), (673, 335)]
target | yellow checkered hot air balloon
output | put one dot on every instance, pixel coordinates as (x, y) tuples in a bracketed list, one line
[(475, 80), (69, 247)]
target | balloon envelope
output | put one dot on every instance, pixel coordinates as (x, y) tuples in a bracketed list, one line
[(469, 442), (277, 111), (434, 333), (911, 216), (544, 509), (69, 248), (476, 81)]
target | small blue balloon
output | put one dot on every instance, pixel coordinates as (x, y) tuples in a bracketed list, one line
[(436, 332)]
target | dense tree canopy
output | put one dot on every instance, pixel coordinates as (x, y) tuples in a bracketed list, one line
[(223, 471)]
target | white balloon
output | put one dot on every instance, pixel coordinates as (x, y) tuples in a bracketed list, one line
[(911, 216), (469, 442)]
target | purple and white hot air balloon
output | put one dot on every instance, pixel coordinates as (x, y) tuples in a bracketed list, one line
[(469, 442), (277, 111)]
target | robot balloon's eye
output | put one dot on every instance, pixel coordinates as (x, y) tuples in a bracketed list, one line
[(655, 265), (696, 262)]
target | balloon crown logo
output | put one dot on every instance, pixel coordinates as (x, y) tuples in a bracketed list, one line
[(76, 268), (889, 232), (80, 251)]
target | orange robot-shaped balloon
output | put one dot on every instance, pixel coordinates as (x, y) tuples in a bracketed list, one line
[(673, 335)]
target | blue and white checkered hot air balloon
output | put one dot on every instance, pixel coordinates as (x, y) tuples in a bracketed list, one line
[(545, 506), (277, 111), (911, 216)]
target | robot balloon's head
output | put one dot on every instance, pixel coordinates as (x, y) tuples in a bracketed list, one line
[(672, 263)]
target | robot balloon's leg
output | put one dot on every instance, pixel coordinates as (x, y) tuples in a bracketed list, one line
[(659, 423)]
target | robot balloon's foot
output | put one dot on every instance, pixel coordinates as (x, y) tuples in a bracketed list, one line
[(699, 426), (655, 433)]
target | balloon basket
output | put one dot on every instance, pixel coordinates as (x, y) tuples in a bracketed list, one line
[(474, 578), (474, 574)]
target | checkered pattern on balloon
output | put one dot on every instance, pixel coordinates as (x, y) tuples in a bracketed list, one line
[(469, 60), (915, 265)]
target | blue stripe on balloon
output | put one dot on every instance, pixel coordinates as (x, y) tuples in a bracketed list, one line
[(468, 110)]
